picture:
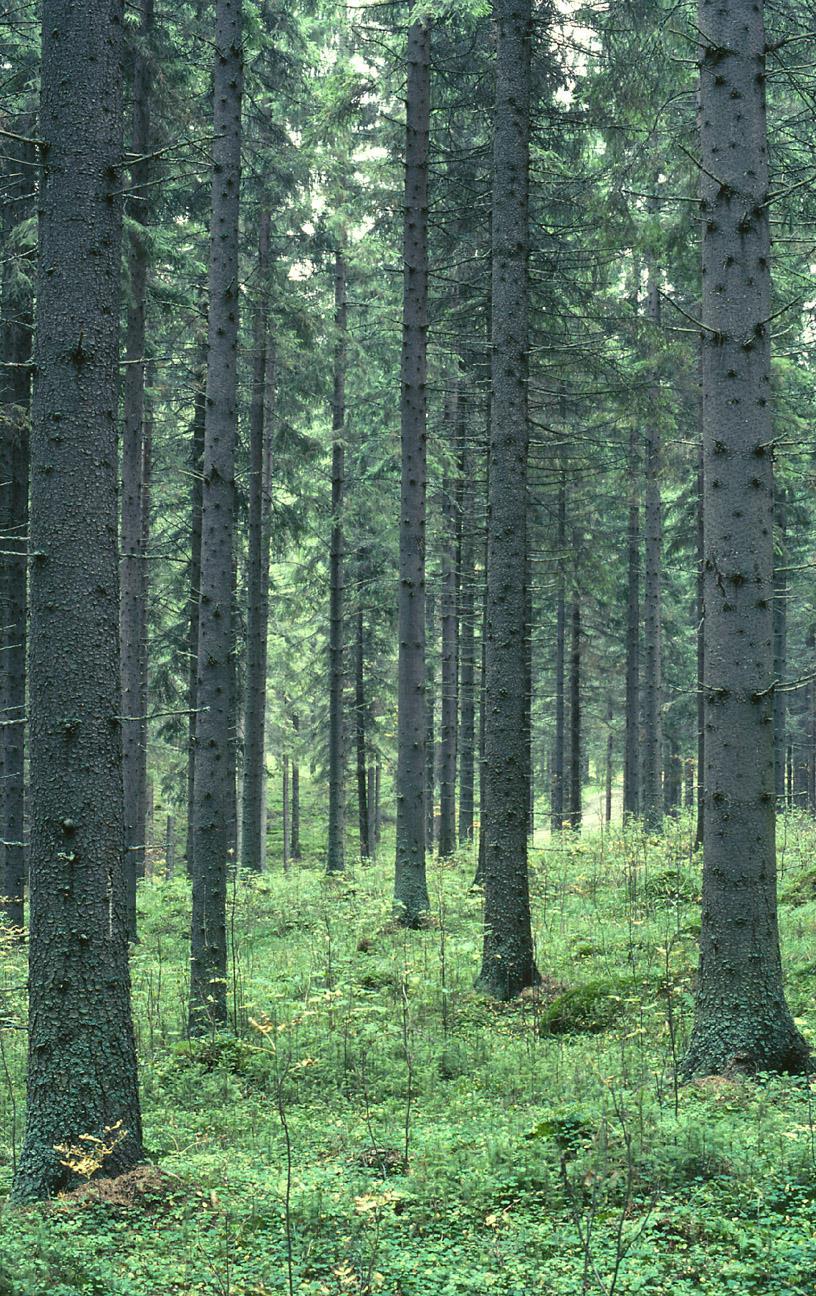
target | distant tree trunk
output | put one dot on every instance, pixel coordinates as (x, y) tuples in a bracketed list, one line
[(336, 854), (253, 810), (360, 721), (652, 791), (610, 750), (169, 849), (742, 1024), (631, 752), (780, 624), (699, 837), (286, 823), (132, 618), (197, 471), (144, 592), (508, 963), (371, 801), (430, 718), (410, 886), (450, 657), (15, 413), (214, 787), (295, 833), (467, 658), (81, 1057), (528, 698), (558, 765), (576, 749)]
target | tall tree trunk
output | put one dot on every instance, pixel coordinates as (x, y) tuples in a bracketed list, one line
[(430, 718), (701, 738), (253, 810), (360, 718), (450, 655), (780, 625), (15, 413), (132, 618), (215, 729), (558, 766), (467, 658), (652, 791), (631, 751), (286, 822), (142, 630), (294, 835), (336, 856), (508, 964), (371, 802), (81, 1057), (742, 1020), (410, 887), (576, 746), (194, 599)]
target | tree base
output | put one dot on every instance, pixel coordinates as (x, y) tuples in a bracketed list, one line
[(505, 981), (741, 1048)]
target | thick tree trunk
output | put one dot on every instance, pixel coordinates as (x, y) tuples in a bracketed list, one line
[(508, 964), (253, 809), (742, 1020), (197, 478), (631, 748), (81, 1057), (15, 412), (215, 729), (450, 657), (576, 747), (335, 862), (410, 887), (132, 618), (652, 790)]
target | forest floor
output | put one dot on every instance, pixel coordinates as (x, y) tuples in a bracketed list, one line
[(372, 1125)]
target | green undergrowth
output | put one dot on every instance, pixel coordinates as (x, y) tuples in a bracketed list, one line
[(440, 1143)]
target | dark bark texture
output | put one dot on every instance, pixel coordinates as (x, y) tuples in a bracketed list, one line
[(467, 653), (81, 1060), (411, 902), (508, 964), (214, 782), (558, 769), (449, 710), (742, 1020), (631, 746), (194, 598), (652, 790), (253, 808)]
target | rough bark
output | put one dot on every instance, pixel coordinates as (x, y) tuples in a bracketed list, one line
[(430, 720), (411, 902), (335, 862), (81, 1057), (215, 728), (253, 809), (508, 964), (742, 1020)]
